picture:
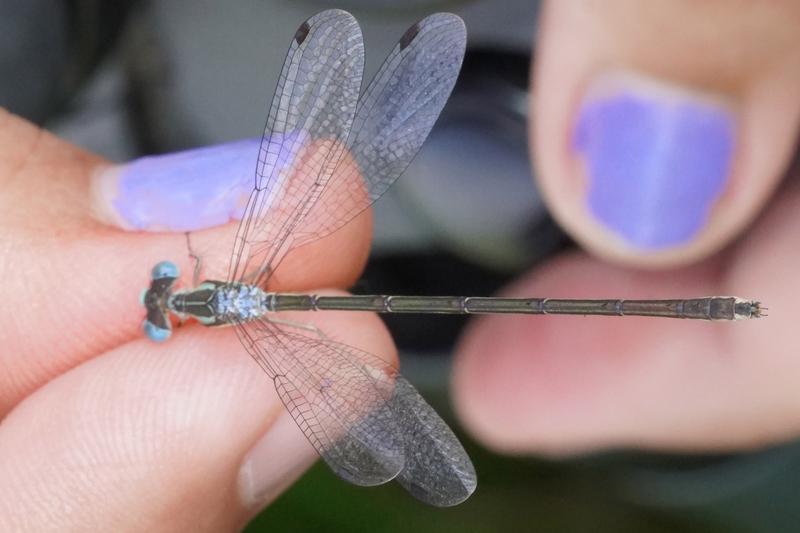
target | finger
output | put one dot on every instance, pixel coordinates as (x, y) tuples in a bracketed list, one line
[(200, 191), (565, 384), (658, 139), (71, 283), (188, 436)]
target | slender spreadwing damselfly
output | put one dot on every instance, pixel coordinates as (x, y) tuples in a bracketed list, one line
[(328, 152)]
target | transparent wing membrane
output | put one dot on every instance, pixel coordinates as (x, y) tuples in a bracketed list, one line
[(367, 421), (394, 117), (337, 155), (341, 402), (325, 157), (437, 469), (304, 139)]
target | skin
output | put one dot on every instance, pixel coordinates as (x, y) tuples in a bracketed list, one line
[(89, 408)]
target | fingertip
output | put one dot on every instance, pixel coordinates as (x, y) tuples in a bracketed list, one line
[(261, 477), (558, 385), (477, 388), (179, 192), (522, 383), (652, 149), (656, 160)]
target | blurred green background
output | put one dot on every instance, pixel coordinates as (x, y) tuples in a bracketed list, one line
[(612, 492)]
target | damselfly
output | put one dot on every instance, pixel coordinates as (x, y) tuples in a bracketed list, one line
[(328, 152)]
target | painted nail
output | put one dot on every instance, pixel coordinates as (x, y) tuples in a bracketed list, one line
[(274, 463), (183, 191), (657, 158)]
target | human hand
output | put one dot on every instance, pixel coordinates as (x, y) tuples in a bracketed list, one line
[(101, 429), (661, 132)]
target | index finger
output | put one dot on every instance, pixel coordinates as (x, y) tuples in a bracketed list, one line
[(72, 283)]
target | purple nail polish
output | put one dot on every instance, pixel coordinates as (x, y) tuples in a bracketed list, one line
[(183, 191), (657, 159)]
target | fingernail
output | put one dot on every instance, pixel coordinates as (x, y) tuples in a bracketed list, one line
[(657, 158), (274, 463), (183, 191)]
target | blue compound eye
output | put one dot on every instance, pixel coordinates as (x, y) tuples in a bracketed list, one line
[(155, 333), (165, 269)]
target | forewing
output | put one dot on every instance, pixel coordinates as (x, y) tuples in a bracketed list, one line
[(305, 136), (341, 404), (394, 117)]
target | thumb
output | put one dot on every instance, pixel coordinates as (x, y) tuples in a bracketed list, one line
[(657, 136), (187, 437)]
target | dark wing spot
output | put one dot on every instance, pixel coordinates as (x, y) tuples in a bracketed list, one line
[(302, 33), (408, 36)]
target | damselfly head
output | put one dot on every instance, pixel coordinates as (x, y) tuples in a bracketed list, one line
[(157, 325)]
